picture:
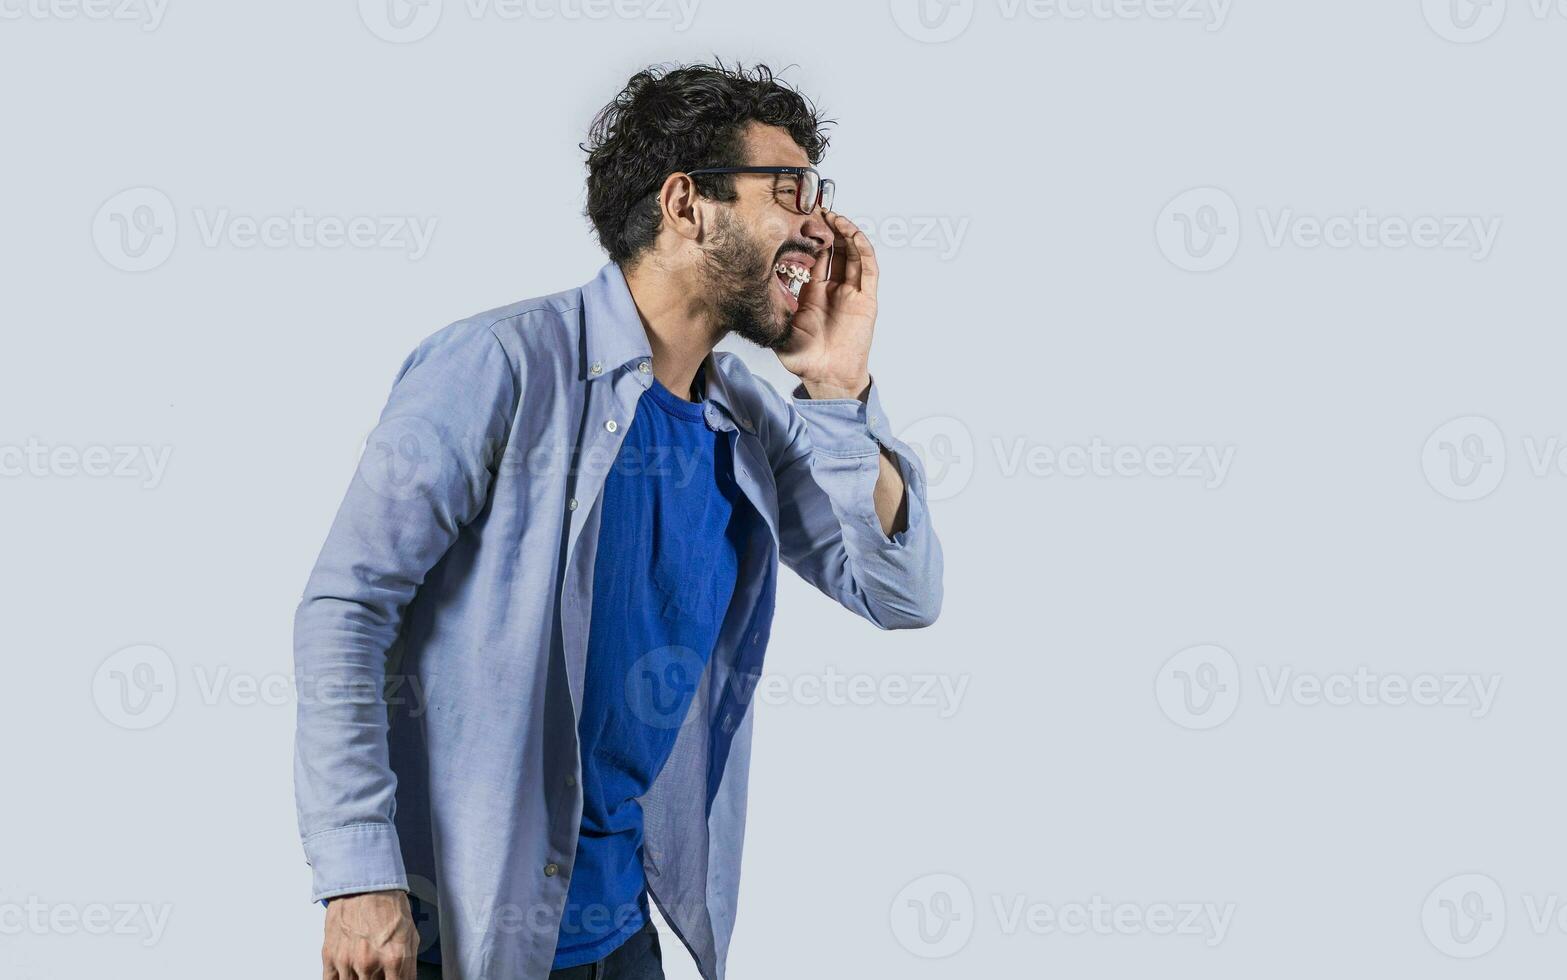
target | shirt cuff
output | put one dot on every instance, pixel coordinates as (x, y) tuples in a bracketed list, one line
[(845, 427), (358, 858), (847, 435)]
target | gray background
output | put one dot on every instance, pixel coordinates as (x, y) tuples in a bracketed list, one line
[(1118, 634)]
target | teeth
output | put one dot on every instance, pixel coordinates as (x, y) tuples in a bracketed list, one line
[(798, 276)]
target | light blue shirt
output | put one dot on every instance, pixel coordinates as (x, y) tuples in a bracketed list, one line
[(441, 641)]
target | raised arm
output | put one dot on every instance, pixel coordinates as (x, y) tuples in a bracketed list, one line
[(832, 500), (851, 497)]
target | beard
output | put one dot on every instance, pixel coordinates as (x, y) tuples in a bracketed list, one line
[(739, 278)]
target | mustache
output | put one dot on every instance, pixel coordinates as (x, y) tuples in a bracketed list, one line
[(802, 246)]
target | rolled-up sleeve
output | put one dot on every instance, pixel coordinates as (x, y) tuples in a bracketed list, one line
[(425, 473), (829, 532)]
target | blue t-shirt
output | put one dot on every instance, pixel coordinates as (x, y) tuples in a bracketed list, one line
[(671, 532)]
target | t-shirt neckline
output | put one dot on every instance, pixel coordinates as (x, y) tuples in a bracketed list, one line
[(673, 403)]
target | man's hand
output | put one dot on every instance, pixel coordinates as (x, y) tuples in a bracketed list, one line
[(831, 347), (830, 351), (370, 937)]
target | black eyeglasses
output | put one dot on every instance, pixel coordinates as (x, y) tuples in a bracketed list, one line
[(811, 191)]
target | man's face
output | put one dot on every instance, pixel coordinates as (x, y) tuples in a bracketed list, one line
[(758, 233)]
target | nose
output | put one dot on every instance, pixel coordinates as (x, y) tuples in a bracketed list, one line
[(817, 230)]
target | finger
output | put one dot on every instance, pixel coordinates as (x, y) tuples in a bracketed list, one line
[(844, 249), (396, 966), (401, 963), (861, 269), (368, 968), (814, 292)]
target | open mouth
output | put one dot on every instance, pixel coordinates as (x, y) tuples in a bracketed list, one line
[(792, 278)]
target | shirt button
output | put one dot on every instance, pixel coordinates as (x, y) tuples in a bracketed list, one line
[(550, 870), (612, 425), (571, 504), (644, 367), (597, 368), (571, 780)]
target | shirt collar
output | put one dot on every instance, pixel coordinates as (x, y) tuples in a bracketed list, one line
[(716, 389), (615, 338), (613, 326)]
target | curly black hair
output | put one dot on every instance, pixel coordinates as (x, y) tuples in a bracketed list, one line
[(671, 119)]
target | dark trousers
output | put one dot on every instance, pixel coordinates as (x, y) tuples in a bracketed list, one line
[(638, 958)]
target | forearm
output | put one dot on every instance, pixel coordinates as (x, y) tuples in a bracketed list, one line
[(892, 503), (343, 781), (891, 500)]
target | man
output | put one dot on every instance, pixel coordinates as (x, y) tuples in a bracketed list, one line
[(536, 625)]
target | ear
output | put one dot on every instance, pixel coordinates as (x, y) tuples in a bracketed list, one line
[(681, 207)]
